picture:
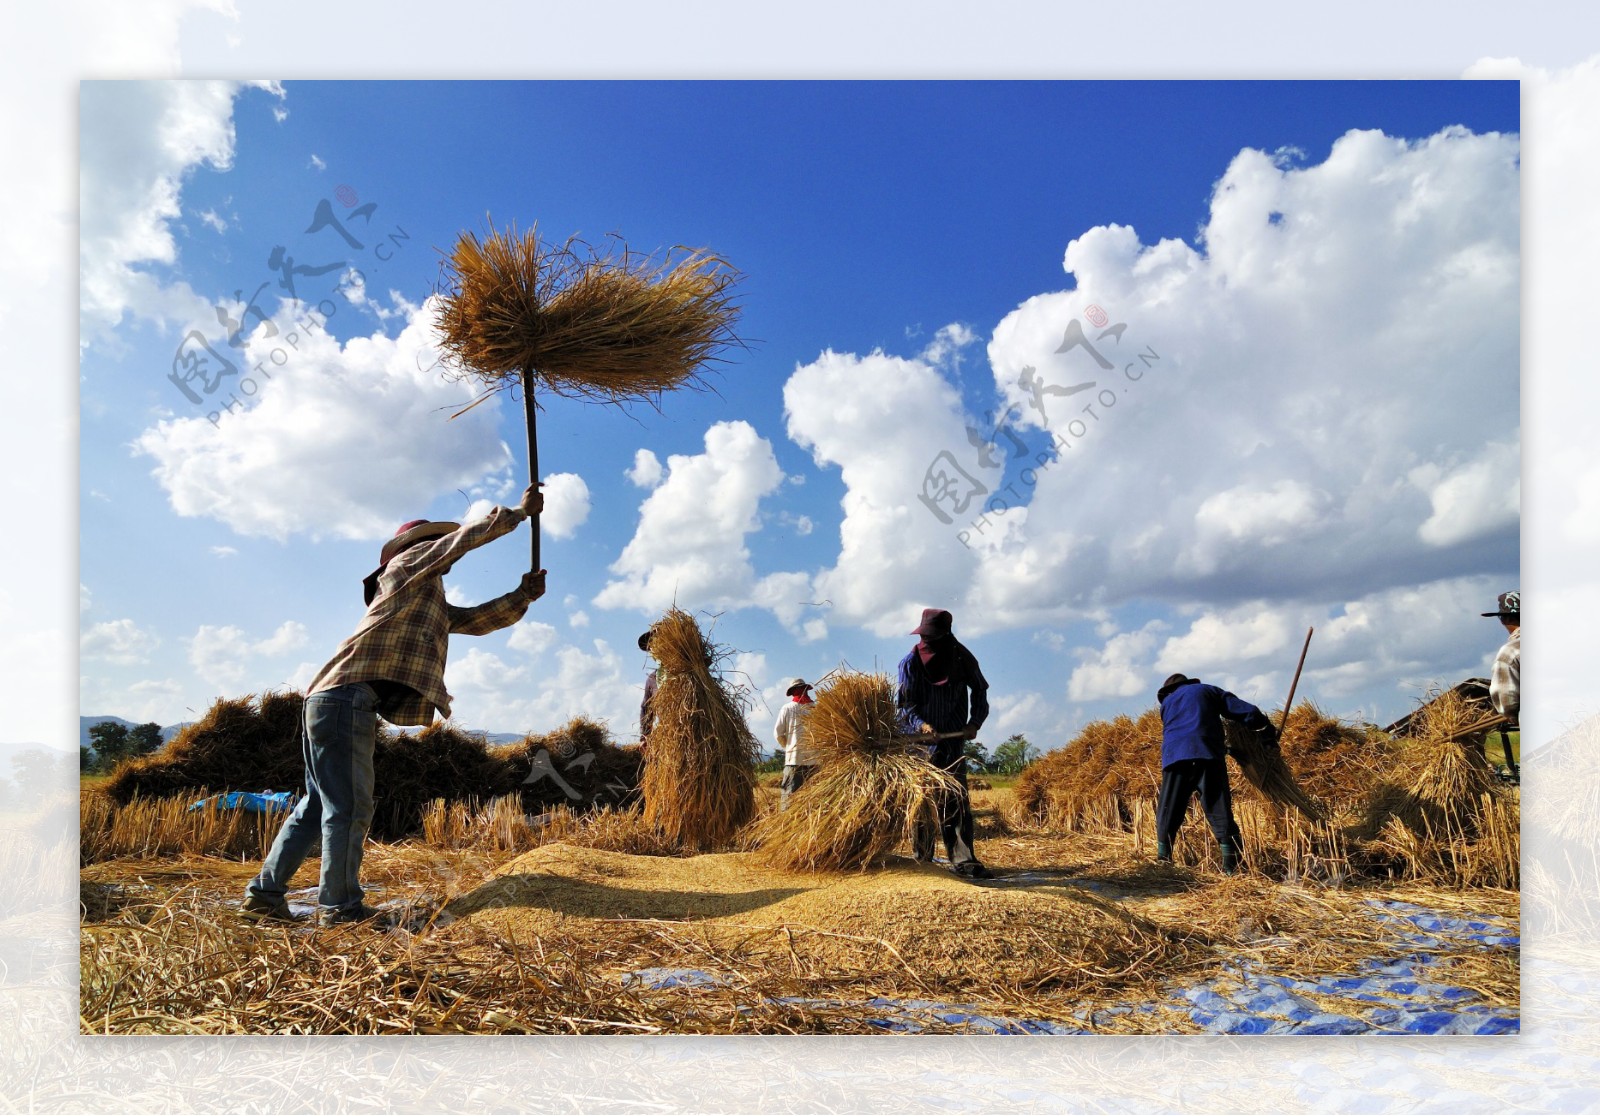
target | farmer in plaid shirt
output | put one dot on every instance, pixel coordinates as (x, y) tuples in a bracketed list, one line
[(393, 667), (1505, 677)]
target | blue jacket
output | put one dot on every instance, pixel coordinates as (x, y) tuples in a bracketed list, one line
[(1191, 722)]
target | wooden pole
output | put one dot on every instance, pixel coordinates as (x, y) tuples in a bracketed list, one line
[(1293, 686), (533, 455)]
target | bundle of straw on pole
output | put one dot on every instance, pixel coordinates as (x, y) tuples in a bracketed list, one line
[(587, 324), (1265, 769), (607, 326), (699, 769), (870, 786)]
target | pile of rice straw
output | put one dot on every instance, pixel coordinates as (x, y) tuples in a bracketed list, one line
[(870, 786), (254, 745), (1093, 781), (588, 324), (242, 743), (699, 767)]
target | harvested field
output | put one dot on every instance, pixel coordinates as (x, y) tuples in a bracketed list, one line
[(576, 925)]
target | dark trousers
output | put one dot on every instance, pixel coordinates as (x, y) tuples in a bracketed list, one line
[(1179, 782), (955, 821)]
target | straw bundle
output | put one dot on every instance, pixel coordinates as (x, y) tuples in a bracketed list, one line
[(699, 770), (1447, 779), (870, 786), (1264, 768), (240, 744), (587, 324)]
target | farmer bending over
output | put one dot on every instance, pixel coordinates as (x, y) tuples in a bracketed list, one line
[(1194, 758), (393, 667)]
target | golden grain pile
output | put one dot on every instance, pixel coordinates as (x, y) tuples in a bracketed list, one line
[(909, 924), (870, 786), (699, 770), (606, 325)]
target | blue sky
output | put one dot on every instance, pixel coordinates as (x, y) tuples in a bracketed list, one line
[(1329, 434)]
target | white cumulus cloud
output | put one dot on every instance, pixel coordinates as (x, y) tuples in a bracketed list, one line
[(566, 504), (117, 641), (342, 441), (646, 471), (690, 546)]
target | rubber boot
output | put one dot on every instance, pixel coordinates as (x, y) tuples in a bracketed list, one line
[(1230, 860), (1164, 852)]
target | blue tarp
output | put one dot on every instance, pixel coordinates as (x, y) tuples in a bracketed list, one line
[(256, 802), (1385, 996)]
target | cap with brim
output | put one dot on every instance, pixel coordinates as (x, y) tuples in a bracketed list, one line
[(796, 683), (935, 622), (414, 532), (644, 641), (1510, 605)]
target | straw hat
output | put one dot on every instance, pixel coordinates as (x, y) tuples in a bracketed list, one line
[(418, 530), (796, 684)]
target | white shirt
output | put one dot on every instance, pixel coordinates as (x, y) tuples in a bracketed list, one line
[(789, 736)]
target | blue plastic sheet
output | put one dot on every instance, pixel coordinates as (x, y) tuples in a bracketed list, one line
[(255, 802)]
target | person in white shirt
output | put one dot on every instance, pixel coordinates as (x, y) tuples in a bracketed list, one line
[(798, 763)]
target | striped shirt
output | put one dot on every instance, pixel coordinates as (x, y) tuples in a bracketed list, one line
[(405, 633), (943, 708), (1505, 679)]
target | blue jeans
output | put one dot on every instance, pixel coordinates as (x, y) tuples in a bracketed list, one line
[(338, 735)]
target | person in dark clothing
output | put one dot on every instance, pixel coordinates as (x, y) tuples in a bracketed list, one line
[(1194, 758), (935, 680), (647, 707)]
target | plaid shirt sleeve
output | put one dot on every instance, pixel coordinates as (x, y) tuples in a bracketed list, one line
[(490, 616)]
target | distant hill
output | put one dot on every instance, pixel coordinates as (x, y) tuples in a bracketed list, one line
[(86, 723)]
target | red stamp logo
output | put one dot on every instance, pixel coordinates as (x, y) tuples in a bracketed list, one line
[(346, 195), (1097, 317)]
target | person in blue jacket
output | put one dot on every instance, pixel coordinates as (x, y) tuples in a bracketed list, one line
[(1194, 757)]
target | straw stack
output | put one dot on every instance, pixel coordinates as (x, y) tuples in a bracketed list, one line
[(870, 786), (245, 743), (699, 769), (1093, 781)]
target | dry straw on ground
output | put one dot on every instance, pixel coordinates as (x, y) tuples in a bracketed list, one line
[(699, 771), (870, 787), (607, 325)]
